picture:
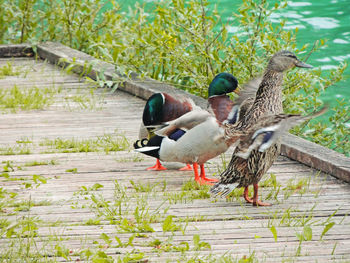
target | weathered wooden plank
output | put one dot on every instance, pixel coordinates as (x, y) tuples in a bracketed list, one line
[(19, 50), (317, 157)]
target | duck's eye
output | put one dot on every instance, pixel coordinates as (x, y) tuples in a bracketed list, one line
[(291, 56)]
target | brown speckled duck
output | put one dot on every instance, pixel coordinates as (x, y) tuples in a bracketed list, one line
[(243, 172)]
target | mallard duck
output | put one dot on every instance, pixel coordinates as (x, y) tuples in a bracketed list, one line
[(188, 139), (161, 108), (175, 144), (243, 172)]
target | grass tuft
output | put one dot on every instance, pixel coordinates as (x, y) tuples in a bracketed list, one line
[(9, 70), (106, 143), (33, 98)]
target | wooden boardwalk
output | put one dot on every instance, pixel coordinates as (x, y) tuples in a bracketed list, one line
[(64, 204)]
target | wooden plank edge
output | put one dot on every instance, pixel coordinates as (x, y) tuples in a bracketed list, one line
[(296, 148), (16, 50), (316, 156)]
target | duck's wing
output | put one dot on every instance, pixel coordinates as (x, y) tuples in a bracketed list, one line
[(186, 121), (248, 90), (268, 129)]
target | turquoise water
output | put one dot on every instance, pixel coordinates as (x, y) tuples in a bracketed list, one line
[(315, 19)]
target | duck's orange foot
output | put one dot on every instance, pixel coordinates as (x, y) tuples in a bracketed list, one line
[(204, 179), (157, 167), (260, 203), (188, 167), (256, 201), (209, 179), (202, 182), (246, 195)]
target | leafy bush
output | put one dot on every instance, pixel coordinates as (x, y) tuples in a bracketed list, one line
[(185, 44)]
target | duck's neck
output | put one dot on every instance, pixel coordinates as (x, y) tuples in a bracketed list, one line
[(221, 105), (268, 98)]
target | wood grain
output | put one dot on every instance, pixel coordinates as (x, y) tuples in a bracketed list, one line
[(231, 227)]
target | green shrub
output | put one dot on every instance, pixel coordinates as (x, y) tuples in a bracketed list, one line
[(186, 44)]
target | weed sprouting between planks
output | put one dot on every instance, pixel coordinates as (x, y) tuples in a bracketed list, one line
[(9, 70), (32, 98), (106, 143)]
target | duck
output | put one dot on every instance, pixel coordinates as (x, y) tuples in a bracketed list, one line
[(249, 163), (161, 108), (184, 139)]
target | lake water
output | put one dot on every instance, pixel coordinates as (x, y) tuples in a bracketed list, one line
[(315, 19)]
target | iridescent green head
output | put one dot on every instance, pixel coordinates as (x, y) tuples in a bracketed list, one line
[(152, 113), (223, 83)]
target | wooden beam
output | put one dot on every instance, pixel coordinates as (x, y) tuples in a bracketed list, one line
[(316, 156), (57, 53), (18, 50)]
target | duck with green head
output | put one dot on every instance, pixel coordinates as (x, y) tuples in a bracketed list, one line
[(161, 108), (188, 139)]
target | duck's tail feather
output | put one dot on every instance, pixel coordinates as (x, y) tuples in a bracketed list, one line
[(149, 147), (223, 190), (140, 143)]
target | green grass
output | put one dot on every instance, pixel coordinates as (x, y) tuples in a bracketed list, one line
[(15, 150), (83, 100), (40, 163), (9, 70), (106, 143), (33, 98), (190, 191)]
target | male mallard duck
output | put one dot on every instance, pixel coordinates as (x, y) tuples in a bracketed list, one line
[(188, 139), (191, 146), (268, 101), (161, 108)]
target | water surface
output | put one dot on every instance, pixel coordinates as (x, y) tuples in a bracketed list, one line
[(315, 19)]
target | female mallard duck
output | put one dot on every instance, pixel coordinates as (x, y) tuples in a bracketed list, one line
[(268, 101), (176, 145)]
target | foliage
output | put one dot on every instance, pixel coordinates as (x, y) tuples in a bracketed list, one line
[(8, 70), (26, 98), (186, 44), (78, 24)]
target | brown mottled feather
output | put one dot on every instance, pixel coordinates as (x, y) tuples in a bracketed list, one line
[(267, 101)]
